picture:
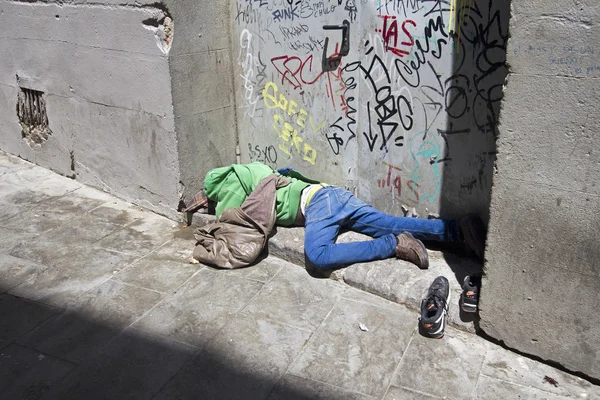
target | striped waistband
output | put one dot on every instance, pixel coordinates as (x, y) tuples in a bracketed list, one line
[(312, 191)]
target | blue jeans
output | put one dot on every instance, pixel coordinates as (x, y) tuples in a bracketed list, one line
[(333, 208)]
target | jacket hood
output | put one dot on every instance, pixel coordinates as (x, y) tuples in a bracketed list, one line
[(214, 180)]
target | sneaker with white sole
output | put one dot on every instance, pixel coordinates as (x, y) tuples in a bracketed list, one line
[(469, 298), (434, 308)]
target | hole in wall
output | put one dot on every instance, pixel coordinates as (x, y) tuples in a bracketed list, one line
[(162, 26), (151, 22), (31, 111)]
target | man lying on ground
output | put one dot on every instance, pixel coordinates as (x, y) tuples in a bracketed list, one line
[(326, 210)]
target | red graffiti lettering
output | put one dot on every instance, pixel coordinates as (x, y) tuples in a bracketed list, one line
[(411, 185), (296, 71), (388, 183), (389, 32)]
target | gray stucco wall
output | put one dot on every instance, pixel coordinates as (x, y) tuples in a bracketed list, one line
[(540, 294), (106, 84), (135, 111), (201, 76)]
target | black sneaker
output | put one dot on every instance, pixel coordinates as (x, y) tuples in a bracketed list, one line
[(470, 294), (434, 308)]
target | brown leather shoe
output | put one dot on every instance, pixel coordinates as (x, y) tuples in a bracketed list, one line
[(413, 250)]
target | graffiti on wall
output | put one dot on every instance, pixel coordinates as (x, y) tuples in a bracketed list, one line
[(288, 121), (381, 86)]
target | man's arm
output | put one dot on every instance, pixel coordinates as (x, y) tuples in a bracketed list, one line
[(292, 173)]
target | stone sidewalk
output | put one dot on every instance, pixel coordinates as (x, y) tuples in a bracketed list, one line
[(98, 300), (392, 279)]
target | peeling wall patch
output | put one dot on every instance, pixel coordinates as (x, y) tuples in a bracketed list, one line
[(162, 26), (31, 110)]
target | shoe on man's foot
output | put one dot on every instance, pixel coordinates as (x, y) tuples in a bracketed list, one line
[(434, 308), (473, 233), (411, 249), (469, 298)]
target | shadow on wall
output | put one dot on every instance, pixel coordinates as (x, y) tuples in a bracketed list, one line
[(472, 101), (473, 95)]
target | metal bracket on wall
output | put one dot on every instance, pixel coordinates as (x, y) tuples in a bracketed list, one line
[(331, 63)]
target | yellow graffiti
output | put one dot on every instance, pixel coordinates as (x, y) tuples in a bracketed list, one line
[(271, 100), (312, 124), (291, 108), (273, 97), (290, 140), (310, 154), (302, 117)]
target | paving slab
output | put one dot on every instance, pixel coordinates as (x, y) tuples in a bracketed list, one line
[(494, 389), (116, 303), (42, 181), (115, 210), (12, 237), (358, 346), (200, 307), (245, 360), (63, 240), (15, 270), (134, 365), (70, 336), (90, 193), (455, 360), (19, 316), (308, 300), (293, 387), (141, 236), (262, 271), (514, 368), (51, 213), (72, 271), (15, 200), (28, 374), (400, 393), (164, 269)]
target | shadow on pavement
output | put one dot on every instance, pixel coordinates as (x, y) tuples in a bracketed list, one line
[(53, 354)]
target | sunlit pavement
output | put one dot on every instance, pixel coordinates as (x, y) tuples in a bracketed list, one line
[(99, 300)]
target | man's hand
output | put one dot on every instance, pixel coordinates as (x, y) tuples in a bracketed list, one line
[(285, 171)]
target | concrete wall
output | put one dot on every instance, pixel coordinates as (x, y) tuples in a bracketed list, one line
[(203, 102), (540, 294), (104, 72), (405, 115), (133, 109)]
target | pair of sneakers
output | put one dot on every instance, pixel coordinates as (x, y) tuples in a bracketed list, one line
[(434, 307)]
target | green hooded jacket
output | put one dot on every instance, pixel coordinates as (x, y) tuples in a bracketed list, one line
[(229, 187)]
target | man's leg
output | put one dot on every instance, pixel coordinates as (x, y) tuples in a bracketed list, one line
[(370, 221), (327, 213)]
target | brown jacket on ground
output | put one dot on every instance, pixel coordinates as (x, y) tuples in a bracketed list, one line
[(240, 234)]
